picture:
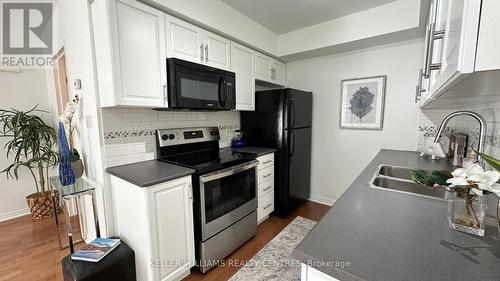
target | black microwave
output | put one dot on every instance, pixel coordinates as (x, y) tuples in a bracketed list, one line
[(196, 86)]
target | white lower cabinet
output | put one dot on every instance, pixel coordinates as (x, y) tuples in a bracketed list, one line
[(157, 222), (308, 273), (265, 186)]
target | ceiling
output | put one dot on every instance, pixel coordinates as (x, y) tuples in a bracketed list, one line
[(282, 16)]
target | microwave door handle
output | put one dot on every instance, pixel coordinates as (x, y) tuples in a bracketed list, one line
[(221, 89), (226, 90)]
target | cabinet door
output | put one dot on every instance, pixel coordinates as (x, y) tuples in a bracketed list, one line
[(243, 66), (460, 39), (217, 50), (170, 208), (262, 67), (278, 72), (184, 40), (140, 39)]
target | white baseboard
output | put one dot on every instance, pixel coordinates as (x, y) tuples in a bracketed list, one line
[(322, 199), (14, 214)]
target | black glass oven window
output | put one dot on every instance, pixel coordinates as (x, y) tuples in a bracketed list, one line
[(226, 194)]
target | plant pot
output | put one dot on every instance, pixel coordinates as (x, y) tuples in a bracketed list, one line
[(78, 168), (40, 204), (466, 212)]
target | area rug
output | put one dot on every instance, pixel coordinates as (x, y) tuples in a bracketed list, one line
[(274, 261)]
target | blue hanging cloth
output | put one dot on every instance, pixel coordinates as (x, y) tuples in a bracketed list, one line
[(66, 174)]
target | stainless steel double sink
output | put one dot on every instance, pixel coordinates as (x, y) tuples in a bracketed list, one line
[(397, 179)]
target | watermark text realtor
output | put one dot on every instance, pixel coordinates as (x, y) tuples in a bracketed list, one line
[(27, 34)]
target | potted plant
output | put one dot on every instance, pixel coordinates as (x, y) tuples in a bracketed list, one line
[(69, 120), (31, 145)]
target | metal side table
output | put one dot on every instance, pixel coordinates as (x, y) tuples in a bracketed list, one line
[(71, 195)]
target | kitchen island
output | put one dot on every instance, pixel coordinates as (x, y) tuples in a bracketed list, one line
[(371, 234)]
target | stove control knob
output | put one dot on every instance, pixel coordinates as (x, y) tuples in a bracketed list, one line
[(164, 137), (171, 136)]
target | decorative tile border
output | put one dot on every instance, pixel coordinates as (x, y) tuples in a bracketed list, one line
[(129, 134), (145, 133)]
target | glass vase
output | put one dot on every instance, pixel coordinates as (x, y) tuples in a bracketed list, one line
[(467, 211)]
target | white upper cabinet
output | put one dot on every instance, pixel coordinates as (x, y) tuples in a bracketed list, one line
[(217, 50), (262, 67), (269, 70), (188, 42), (278, 72), (242, 64), (460, 38), (462, 41), (130, 53), (184, 40)]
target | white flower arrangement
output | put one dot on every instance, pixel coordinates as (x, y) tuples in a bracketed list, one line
[(475, 178), (68, 118)]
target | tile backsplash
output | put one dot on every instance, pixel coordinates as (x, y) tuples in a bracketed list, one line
[(431, 119), (130, 133)]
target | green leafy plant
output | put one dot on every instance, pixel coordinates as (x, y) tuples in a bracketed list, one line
[(31, 144), (430, 178)]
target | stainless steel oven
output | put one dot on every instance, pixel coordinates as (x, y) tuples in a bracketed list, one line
[(224, 190), (226, 196)]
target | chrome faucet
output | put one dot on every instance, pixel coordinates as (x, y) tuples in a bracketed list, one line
[(479, 118)]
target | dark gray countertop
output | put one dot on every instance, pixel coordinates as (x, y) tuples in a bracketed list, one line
[(259, 151), (389, 236), (149, 173)]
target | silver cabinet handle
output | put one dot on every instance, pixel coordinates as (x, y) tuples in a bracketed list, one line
[(201, 52), (165, 91), (419, 90), (431, 36), (268, 205), (267, 188), (267, 162), (206, 53), (265, 176)]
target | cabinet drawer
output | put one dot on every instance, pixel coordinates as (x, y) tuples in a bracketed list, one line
[(265, 161), (265, 174), (265, 187), (265, 206)]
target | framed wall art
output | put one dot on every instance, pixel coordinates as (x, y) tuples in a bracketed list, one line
[(362, 103)]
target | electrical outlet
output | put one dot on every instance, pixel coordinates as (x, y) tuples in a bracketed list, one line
[(88, 121)]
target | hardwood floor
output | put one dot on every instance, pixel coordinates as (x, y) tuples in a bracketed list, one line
[(29, 249)]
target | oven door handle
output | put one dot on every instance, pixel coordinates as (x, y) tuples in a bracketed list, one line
[(229, 171)]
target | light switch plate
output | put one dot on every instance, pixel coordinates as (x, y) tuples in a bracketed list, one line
[(88, 121)]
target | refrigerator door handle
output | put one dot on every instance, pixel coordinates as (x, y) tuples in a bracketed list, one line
[(291, 145), (292, 113)]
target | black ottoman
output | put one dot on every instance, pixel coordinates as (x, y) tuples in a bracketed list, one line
[(119, 265)]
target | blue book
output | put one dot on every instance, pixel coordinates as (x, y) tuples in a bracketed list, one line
[(96, 250)]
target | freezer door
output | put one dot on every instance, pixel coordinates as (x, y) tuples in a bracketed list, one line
[(299, 165), (298, 109)]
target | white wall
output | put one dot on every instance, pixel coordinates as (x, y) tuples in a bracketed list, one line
[(338, 156), (21, 91), (72, 31)]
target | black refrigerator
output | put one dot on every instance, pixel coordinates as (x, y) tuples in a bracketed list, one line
[(282, 119)]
